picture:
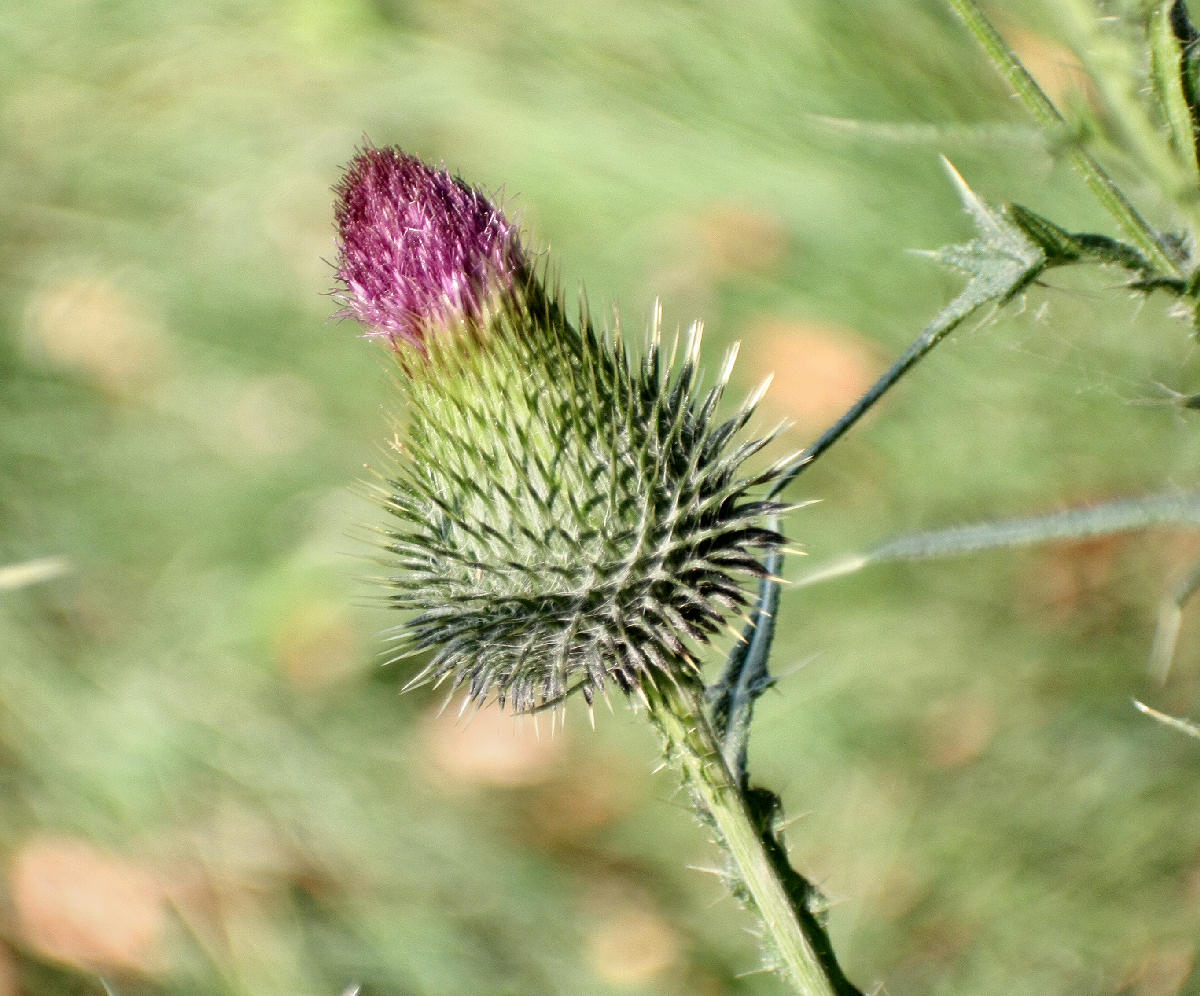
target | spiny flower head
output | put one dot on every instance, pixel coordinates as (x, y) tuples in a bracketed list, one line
[(568, 513), (417, 247)]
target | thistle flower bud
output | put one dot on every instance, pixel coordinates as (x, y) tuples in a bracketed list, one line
[(567, 515), (417, 247)]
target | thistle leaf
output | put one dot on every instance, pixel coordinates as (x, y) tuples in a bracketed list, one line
[(1174, 64), (1001, 261)]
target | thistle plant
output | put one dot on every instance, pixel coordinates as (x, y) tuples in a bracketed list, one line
[(568, 516), (572, 512), (569, 513)]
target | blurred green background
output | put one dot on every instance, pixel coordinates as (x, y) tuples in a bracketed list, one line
[(209, 784)]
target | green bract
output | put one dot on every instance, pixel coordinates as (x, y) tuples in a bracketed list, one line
[(566, 514)]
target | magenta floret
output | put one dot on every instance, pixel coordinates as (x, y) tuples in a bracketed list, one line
[(417, 247)]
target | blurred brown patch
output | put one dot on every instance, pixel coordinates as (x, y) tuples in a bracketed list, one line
[(595, 793), (1064, 578), (937, 942), (819, 369), (630, 942), (78, 904), (90, 326), (899, 891), (712, 245), (957, 730), (10, 983), (1056, 68), (735, 239), (316, 647), (490, 747), (1161, 970), (1179, 550), (240, 863)]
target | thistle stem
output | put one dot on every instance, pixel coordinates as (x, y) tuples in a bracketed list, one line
[(797, 936), (946, 322), (1132, 224)]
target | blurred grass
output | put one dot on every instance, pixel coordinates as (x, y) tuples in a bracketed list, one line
[(196, 738)]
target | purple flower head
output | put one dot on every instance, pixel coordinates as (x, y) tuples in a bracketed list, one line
[(417, 247)]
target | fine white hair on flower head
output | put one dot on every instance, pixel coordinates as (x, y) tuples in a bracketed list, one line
[(417, 246)]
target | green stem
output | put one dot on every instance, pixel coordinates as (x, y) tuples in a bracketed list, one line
[(798, 938), (1132, 224), (946, 322), (1113, 66)]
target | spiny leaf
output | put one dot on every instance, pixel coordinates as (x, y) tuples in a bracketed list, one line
[(1106, 518), (1002, 259), (1175, 62)]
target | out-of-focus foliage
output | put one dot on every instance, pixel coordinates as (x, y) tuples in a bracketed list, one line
[(208, 782)]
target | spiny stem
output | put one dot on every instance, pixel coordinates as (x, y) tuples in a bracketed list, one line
[(1132, 224), (798, 938), (745, 676), (945, 323)]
